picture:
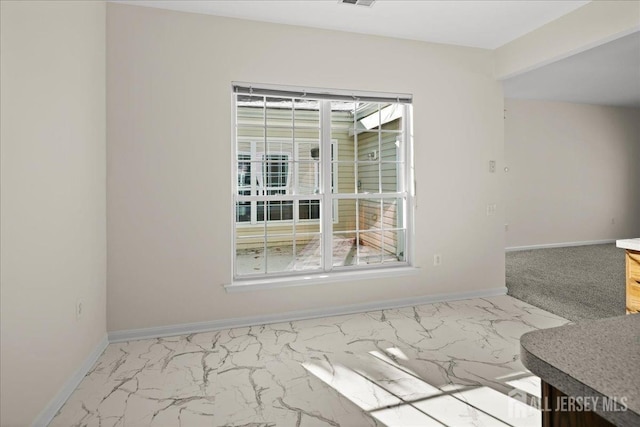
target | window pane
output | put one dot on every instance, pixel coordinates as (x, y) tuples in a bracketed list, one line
[(308, 252), (369, 214), (368, 175), (389, 177), (250, 110), (343, 147), (244, 145), (342, 114), (244, 172), (279, 142), (243, 212), (380, 117), (392, 117), (250, 140), (307, 150), (346, 210), (279, 112), (309, 209), (275, 170), (250, 252), (307, 113), (307, 145), (343, 249), (392, 213), (275, 211), (368, 146), (374, 149), (394, 246), (259, 211), (346, 178), (358, 214), (364, 248), (307, 177), (307, 226), (369, 250), (368, 116), (279, 253), (390, 144), (292, 247)]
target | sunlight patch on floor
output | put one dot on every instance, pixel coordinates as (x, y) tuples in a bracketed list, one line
[(396, 396)]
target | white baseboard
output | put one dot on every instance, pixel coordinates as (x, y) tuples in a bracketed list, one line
[(190, 328), (63, 394), (559, 245)]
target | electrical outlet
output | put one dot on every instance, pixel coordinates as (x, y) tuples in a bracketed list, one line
[(613, 221), (437, 260), (506, 227), (491, 209), (79, 309)]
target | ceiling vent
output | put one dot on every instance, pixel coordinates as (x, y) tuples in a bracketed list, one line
[(367, 3)]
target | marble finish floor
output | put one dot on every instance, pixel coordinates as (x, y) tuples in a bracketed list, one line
[(453, 364)]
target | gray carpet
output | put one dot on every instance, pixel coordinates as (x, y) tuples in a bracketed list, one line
[(582, 282)]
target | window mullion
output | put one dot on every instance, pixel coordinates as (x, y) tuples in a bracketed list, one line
[(265, 206), (295, 215), (326, 226), (408, 184), (357, 179), (252, 177)]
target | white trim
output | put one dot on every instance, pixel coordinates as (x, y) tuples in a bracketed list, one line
[(315, 277), (70, 385), (190, 328), (559, 245)]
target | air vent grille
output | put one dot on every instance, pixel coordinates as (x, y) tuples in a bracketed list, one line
[(367, 3)]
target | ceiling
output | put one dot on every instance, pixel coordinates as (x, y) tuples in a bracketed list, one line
[(606, 75), (477, 23)]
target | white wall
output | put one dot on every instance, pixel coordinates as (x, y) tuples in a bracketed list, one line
[(572, 169), (591, 25), (169, 185), (53, 236)]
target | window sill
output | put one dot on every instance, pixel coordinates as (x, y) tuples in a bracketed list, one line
[(318, 278)]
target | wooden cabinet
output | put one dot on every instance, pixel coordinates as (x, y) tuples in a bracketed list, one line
[(554, 415), (633, 281)]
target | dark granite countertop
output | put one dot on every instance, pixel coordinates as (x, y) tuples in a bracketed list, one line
[(593, 359)]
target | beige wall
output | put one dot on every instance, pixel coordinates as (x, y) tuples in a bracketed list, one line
[(593, 24), (572, 169), (169, 159), (53, 235)]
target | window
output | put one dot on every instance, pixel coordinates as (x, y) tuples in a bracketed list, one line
[(323, 182), (272, 176)]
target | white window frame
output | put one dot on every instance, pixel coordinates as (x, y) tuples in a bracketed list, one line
[(329, 273), (256, 157)]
